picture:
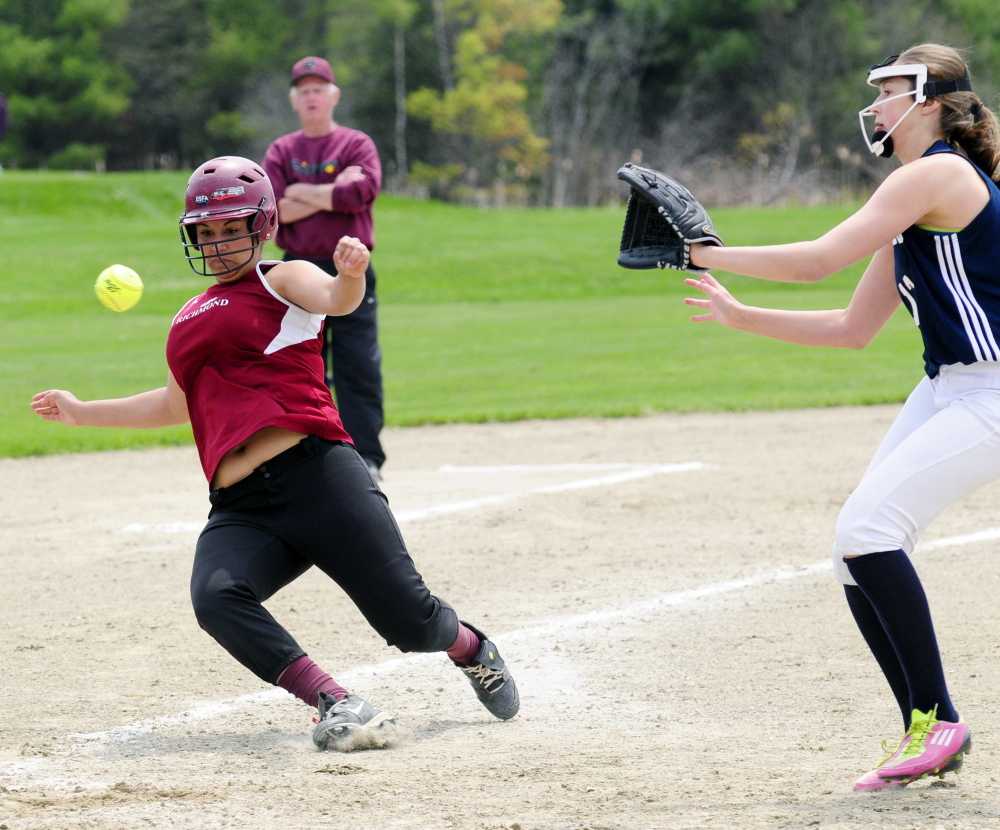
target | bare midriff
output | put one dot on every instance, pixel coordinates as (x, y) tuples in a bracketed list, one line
[(245, 457)]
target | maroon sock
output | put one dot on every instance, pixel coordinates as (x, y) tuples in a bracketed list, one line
[(306, 680), (466, 646)]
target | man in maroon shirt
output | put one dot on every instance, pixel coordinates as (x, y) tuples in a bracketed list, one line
[(325, 178)]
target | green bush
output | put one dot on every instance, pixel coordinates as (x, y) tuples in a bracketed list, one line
[(78, 156)]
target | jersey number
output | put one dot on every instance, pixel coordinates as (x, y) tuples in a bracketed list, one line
[(905, 287)]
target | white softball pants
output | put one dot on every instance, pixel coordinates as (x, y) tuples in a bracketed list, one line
[(944, 444)]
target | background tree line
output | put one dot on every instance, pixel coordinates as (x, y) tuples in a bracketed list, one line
[(492, 102)]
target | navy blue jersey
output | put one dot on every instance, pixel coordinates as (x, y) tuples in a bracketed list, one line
[(950, 282)]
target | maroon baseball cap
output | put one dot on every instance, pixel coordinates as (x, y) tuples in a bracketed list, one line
[(312, 66)]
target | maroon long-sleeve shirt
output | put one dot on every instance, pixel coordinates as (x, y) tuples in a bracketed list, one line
[(296, 158)]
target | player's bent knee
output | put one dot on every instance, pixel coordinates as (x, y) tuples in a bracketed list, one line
[(861, 535), (851, 538), (215, 603), (420, 632), (428, 637), (840, 570), (865, 536), (205, 609)]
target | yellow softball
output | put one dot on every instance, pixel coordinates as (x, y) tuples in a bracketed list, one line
[(118, 287)]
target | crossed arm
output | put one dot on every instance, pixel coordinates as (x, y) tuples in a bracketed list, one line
[(302, 200)]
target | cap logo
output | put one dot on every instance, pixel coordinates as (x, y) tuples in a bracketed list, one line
[(201, 199), (309, 64), (227, 192)]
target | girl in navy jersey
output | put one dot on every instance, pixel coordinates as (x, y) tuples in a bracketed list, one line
[(933, 231), (288, 489)]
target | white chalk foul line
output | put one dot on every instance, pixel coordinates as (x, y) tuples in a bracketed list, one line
[(623, 472), (542, 628), (167, 527), (631, 472), (967, 539), (541, 468)]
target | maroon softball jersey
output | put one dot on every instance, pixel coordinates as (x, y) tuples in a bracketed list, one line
[(246, 358)]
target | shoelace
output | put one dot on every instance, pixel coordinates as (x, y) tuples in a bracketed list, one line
[(918, 734), (485, 676), (889, 750)]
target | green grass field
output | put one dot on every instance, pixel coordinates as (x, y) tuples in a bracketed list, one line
[(483, 314)]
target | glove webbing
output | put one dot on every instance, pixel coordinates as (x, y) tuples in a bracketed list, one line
[(648, 227)]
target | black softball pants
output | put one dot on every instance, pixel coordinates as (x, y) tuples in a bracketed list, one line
[(315, 504)]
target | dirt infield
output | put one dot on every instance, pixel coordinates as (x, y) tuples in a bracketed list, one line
[(660, 587)]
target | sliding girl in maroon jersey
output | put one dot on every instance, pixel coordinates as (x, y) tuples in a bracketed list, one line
[(288, 489)]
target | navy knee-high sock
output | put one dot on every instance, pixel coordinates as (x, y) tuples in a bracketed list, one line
[(890, 583), (881, 647)]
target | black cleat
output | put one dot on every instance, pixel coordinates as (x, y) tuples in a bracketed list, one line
[(352, 723), (491, 679)]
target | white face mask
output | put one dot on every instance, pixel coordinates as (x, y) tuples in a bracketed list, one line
[(880, 143)]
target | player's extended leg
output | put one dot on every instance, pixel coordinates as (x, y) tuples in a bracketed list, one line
[(948, 456), (334, 513), (236, 568), (920, 407)]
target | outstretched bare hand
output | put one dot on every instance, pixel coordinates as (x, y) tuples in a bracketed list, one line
[(56, 405), (720, 305)]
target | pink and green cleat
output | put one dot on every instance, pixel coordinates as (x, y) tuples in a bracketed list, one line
[(872, 781), (930, 747)]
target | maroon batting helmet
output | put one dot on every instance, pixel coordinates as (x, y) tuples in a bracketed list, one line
[(229, 187)]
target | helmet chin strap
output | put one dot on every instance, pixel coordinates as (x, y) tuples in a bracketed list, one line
[(880, 144)]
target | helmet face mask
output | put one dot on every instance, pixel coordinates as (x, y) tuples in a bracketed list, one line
[(880, 143), (198, 254), (227, 188)]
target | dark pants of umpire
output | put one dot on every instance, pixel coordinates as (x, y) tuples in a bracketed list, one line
[(315, 504), (354, 367)]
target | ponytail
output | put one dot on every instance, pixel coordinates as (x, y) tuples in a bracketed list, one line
[(969, 125), (976, 132)]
